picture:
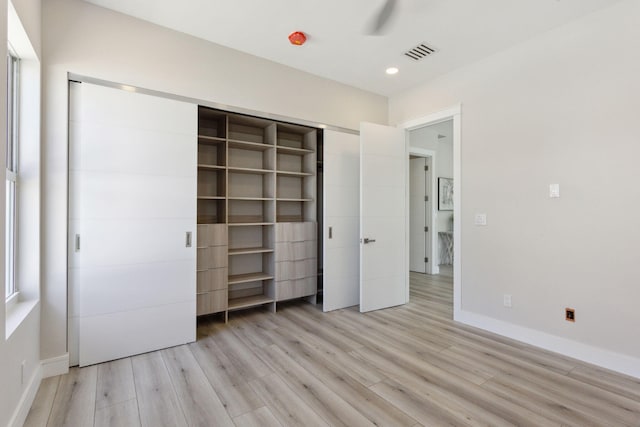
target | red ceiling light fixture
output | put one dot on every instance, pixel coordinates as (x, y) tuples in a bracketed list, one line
[(297, 38)]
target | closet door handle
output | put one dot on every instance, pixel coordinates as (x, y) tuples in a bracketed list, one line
[(188, 240), (77, 243), (368, 240), (331, 232)]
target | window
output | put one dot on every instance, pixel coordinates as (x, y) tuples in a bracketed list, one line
[(13, 64)]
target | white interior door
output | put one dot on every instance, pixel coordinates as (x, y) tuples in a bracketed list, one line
[(341, 218), (383, 192), (417, 215), (428, 221), (132, 185)]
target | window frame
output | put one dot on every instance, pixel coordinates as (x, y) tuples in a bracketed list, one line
[(11, 176)]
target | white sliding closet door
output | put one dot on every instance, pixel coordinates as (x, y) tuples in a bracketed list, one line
[(341, 186), (132, 189), (383, 186)]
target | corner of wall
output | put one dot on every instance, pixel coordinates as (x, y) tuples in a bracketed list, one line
[(26, 400)]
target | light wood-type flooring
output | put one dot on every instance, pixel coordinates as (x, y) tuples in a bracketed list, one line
[(406, 366)]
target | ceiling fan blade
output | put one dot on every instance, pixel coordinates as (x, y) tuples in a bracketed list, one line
[(382, 19)]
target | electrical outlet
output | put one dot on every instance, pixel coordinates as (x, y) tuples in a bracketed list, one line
[(570, 314), (554, 191), (506, 300), (481, 219)]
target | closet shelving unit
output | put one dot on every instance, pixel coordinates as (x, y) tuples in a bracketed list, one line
[(254, 173), (212, 158)]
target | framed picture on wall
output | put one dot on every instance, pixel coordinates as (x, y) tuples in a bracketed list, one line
[(445, 194)]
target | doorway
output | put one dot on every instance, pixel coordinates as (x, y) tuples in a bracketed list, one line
[(444, 130), (431, 162)]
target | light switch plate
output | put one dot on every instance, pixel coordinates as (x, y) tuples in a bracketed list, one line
[(507, 300), (554, 191), (481, 219)]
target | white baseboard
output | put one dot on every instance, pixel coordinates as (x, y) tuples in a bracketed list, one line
[(26, 400), (597, 356), (55, 366)]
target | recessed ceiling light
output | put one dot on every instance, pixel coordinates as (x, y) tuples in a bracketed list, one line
[(392, 70)]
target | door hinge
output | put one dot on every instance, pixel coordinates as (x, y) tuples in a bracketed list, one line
[(426, 260), (426, 198), (426, 168), (426, 229)]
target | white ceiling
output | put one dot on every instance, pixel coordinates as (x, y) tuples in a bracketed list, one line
[(338, 48)]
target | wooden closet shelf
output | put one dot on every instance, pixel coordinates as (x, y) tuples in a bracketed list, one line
[(211, 197), (293, 200), (215, 168), (292, 150), (211, 140), (249, 171), (255, 146), (247, 219), (290, 173), (290, 218), (245, 251), (250, 198), (246, 278), (246, 302)]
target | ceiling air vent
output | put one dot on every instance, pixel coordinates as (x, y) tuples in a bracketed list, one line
[(420, 52)]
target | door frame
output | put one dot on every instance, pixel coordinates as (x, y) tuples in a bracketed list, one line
[(452, 113), (433, 242)]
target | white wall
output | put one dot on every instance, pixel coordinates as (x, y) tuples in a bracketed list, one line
[(23, 343), (560, 108), (81, 38)]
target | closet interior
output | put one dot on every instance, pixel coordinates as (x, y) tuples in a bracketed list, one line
[(257, 236)]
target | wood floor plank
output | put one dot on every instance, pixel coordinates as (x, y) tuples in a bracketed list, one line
[(379, 326), (377, 410), (608, 380), (333, 356), (118, 415), (414, 404), (458, 396), (157, 400), (330, 332), (43, 402), (200, 403), (261, 417), (381, 337), (285, 404), (244, 359), (231, 387), (250, 333), (556, 412), (596, 406), (561, 388), (335, 410), (115, 383), (75, 401)]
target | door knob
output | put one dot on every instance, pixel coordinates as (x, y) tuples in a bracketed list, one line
[(368, 240)]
